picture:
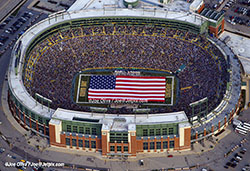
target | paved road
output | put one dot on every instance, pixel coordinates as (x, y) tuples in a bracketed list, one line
[(6, 128), (6, 6), (4, 59)]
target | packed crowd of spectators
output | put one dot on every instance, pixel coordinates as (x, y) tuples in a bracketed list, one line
[(72, 50)]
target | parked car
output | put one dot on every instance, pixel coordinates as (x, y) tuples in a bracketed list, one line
[(28, 13), (223, 11), (220, 1), (23, 20), (231, 22), (237, 155), (242, 152), (3, 39), (8, 30), (236, 10), (141, 162), (244, 11), (10, 156), (248, 13), (234, 165), (7, 20), (2, 150), (26, 16), (14, 29), (233, 160), (17, 23), (2, 25)]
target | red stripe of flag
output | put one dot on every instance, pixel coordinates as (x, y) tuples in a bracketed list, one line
[(121, 92), (128, 96), (138, 77), (135, 83), (139, 85), (139, 88)]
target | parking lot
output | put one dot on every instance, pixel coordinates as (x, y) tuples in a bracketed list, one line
[(237, 14), (13, 27)]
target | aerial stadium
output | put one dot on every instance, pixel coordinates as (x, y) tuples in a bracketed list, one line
[(122, 81)]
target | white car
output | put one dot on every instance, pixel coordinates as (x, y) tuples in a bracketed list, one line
[(7, 31), (141, 162), (10, 156), (233, 23)]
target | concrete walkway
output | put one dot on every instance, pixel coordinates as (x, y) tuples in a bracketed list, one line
[(200, 153), (198, 148)]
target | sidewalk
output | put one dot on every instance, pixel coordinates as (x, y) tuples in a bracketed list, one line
[(7, 112), (201, 155), (197, 148)]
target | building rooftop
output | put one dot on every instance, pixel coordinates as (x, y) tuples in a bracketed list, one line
[(240, 46), (15, 81), (177, 5), (108, 120), (195, 5), (55, 121), (121, 122), (211, 14)]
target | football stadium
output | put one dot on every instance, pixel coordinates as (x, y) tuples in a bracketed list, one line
[(124, 81)]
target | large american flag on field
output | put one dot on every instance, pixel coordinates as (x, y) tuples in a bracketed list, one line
[(127, 88)]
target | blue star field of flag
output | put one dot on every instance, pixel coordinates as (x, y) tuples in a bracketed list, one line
[(102, 82)]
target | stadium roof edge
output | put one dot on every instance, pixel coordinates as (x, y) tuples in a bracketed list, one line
[(141, 119), (15, 81)]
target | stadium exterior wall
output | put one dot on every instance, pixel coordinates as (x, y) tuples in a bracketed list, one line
[(217, 30), (128, 146), (42, 121)]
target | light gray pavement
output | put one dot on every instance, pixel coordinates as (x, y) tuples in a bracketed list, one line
[(15, 134), (213, 158), (49, 6)]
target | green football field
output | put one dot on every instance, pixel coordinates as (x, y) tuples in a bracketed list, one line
[(82, 80)]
